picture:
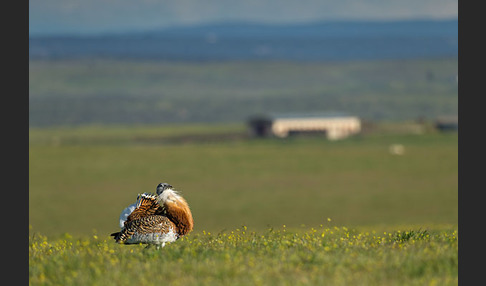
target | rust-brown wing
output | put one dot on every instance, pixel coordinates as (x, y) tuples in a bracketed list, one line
[(146, 206)]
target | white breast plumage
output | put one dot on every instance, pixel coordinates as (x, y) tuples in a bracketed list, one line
[(153, 237)]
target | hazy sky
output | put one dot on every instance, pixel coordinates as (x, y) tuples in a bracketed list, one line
[(99, 16)]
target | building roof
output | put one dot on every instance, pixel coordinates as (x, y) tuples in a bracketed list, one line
[(327, 114), (450, 119)]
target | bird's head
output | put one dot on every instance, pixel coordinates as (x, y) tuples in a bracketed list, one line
[(166, 193), (162, 187)]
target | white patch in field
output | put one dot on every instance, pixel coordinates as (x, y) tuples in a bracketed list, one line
[(396, 149)]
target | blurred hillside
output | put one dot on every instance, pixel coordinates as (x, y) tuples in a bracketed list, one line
[(103, 91)]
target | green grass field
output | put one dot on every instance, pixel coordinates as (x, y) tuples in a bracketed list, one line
[(80, 179), (318, 256)]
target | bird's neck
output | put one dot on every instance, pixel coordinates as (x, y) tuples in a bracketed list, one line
[(177, 210)]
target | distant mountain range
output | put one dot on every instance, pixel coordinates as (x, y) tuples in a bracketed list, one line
[(324, 41)]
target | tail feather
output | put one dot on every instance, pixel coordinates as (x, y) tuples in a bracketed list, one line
[(116, 236), (145, 198)]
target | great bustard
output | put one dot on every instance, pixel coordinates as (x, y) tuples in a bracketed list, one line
[(155, 219)]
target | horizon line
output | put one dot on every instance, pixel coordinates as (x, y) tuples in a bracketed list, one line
[(111, 32)]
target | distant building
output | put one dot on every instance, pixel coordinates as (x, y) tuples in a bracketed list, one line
[(334, 125), (447, 123)]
